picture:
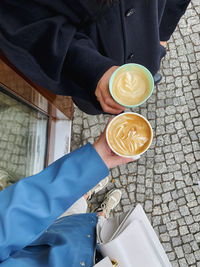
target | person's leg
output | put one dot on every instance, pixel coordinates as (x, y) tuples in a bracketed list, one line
[(106, 226), (80, 206), (174, 10), (111, 200), (98, 187)]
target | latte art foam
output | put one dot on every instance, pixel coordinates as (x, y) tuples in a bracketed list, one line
[(130, 87), (129, 135)]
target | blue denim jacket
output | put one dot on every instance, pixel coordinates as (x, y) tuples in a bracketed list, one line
[(29, 233)]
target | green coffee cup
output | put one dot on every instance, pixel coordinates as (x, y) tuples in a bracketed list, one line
[(131, 85)]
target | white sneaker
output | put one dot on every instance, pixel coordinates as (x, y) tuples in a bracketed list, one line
[(98, 187), (111, 200)]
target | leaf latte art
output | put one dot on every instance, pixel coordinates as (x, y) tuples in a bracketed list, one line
[(129, 134), (130, 87)]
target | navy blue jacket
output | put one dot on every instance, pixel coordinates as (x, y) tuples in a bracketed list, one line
[(66, 46)]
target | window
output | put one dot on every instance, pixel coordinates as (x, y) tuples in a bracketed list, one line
[(23, 139), (35, 125)]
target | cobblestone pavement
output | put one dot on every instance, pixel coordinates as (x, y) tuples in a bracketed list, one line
[(165, 179)]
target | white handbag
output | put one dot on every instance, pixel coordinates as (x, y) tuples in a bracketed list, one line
[(135, 243)]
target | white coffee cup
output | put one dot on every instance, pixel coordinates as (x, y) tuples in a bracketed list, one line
[(129, 135)]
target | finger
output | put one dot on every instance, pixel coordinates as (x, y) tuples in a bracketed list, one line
[(112, 103), (109, 101), (109, 109), (102, 97)]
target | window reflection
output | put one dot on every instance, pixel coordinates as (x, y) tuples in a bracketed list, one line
[(23, 139)]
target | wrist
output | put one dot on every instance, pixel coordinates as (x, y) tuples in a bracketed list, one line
[(99, 150)]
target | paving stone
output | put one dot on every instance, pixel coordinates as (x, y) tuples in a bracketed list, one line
[(148, 206), (117, 183), (179, 252), (123, 169), (185, 168), (92, 120), (156, 220), (125, 201), (197, 237), (183, 230), (188, 238), (86, 133), (131, 187), (197, 256), (189, 220), (172, 206), (184, 210), (166, 197), (167, 247), (167, 176), (160, 168), (190, 258), (168, 186), (140, 197), (132, 168), (95, 131), (173, 233), (164, 208), (157, 188), (176, 241), (181, 222), (188, 180), (194, 228), (190, 197), (140, 179), (132, 197), (140, 188), (157, 199), (196, 146), (115, 172), (164, 237), (175, 215), (85, 123), (189, 158), (180, 184), (157, 210), (187, 248), (171, 256), (123, 180), (178, 175)]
